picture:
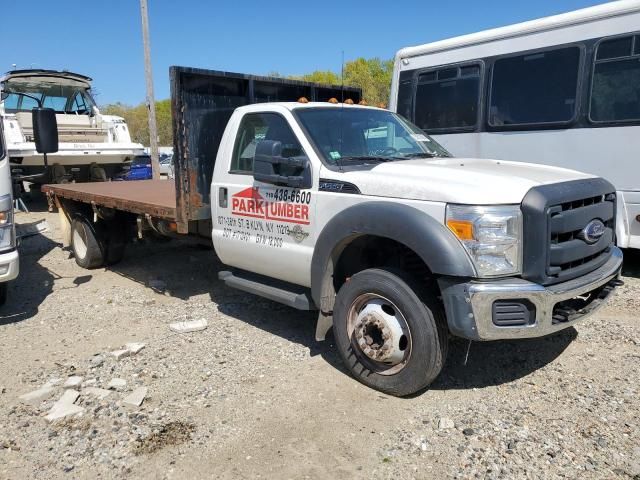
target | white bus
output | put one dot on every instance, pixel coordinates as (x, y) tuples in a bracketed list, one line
[(562, 90)]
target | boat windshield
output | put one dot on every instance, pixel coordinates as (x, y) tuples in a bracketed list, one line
[(62, 98), (355, 135)]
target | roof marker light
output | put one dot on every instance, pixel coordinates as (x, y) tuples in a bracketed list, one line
[(333, 100), (363, 102), (348, 101), (303, 100)]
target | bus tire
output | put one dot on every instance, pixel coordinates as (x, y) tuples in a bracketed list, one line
[(86, 244), (391, 335)]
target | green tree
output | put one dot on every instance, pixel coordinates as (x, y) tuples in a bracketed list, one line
[(373, 76), (326, 77), (138, 122)]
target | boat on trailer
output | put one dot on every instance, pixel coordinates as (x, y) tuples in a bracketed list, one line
[(92, 146)]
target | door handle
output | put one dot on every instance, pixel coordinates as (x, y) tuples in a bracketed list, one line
[(223, 201)]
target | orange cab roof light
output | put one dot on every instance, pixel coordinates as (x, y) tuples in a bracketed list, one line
[(303, 100), (333, 100)]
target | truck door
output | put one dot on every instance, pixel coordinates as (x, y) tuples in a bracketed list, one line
[(259, 227)]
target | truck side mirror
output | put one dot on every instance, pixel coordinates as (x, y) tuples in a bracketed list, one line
[(269, 166), (45, 129)]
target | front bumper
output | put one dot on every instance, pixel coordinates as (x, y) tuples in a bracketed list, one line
[(470, 304), (9, 266)]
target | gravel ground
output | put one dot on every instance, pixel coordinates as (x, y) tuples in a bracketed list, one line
[(254, 396)]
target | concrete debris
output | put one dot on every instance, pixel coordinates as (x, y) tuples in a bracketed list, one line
[(72, 382), (136, 397), (89, 383), (117, 384), (189, 326), (65, 407), (120, 354), (96, 361), (100, 393), (36, 397), (134, 347), (52, 382), (446, 423)]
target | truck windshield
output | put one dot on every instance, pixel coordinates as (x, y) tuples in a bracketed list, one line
[(365, 135), (62, 98)]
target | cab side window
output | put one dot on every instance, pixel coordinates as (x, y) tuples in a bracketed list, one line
[(256, 127)]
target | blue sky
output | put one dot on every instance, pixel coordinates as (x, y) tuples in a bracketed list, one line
[(102, 39)]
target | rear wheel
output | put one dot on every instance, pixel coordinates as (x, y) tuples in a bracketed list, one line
[(97, 244), (390, 334), (86, 244)]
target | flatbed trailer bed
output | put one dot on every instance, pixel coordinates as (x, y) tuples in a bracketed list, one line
[(103, 216), (143, 197)]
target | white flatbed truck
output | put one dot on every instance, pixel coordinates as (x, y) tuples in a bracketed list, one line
[(356, 213)]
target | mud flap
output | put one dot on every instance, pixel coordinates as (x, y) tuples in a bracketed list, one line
[(65, 224), (325, 322)]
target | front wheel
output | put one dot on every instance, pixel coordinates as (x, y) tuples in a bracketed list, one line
[(390, 334)]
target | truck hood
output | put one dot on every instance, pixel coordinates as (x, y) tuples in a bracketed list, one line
[(457, 180)]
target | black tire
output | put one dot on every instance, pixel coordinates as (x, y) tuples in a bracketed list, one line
[(4, 289), (97, 173), (420, 311), (86, 244), (99, 244)]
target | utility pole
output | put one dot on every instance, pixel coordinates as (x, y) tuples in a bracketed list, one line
[(151, 103)]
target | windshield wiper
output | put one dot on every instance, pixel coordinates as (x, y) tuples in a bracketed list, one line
[(420, 155), (365, 158)]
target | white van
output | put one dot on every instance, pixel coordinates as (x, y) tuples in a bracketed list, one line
[(562, 90)]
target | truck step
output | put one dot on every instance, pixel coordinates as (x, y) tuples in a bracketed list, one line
[(291, 295)]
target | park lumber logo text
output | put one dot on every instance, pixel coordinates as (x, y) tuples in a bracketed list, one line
[(249, 203)]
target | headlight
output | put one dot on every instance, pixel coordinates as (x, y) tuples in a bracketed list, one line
[(491, 235)]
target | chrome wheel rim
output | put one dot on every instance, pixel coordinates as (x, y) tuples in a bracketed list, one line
[(379, 334)]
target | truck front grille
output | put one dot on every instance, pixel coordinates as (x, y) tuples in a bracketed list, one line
[(556, 217), (568, 250)]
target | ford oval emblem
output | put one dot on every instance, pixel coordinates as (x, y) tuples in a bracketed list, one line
[(593, 231)]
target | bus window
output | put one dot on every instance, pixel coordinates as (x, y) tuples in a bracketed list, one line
[(615, 93), (535, 88), (448, 98), (618, 47), (405, 95)]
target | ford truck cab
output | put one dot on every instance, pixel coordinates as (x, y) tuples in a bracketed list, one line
[(355, 212)]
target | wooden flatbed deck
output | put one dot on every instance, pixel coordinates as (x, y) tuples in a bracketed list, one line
[(154, 197)]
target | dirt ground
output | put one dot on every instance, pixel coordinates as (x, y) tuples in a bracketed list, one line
[(254, 396)]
